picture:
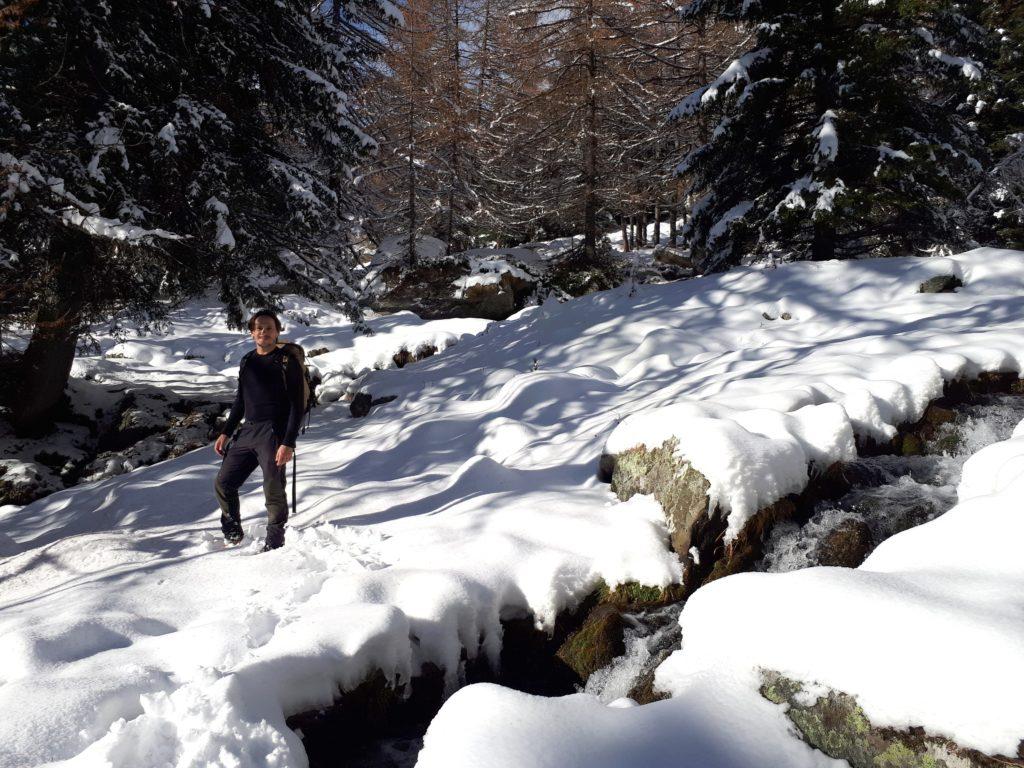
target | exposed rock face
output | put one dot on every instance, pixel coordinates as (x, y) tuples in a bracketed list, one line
[(362, 402), (847, 545), (940, 284), (24, 486), (596, 643), (142, 429), (166, 434), (694, 528), (403, 356), (836, 725), (681, 490), (497, 301), (428, 290), (673, 263), (599, 636)]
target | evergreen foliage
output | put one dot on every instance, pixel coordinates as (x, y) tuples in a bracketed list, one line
[(1002, 194), (846, 129), (152, 149)]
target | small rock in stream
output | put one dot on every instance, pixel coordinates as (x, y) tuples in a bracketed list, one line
[(847, 545)]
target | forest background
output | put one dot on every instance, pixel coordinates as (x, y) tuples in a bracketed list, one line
[(153, 151)]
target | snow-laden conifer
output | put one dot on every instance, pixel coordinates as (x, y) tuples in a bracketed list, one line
[(844, 129), (150, 150)]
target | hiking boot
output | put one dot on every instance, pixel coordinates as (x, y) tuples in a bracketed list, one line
[(275, 537), (234, 536)]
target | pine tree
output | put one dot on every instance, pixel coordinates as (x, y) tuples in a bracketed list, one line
[(843, 131), (1001, 196), (151, 150)]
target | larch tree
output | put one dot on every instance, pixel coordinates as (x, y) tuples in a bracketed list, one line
[(151, 150)]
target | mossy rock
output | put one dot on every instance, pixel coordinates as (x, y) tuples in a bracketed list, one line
[(632, 595), (596, 643), (748, 546), (912, 445), (681, 490), (835, 724), (948, 442), (936, 415), (940, 284)]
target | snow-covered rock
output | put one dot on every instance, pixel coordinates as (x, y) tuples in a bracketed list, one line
[(928, 633)]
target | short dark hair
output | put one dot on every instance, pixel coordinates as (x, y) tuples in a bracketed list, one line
[(265, 313)]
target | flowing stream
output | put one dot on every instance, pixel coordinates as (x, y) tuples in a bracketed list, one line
[(891, 494)]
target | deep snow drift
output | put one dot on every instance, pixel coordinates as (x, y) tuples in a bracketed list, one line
[(128, 635)]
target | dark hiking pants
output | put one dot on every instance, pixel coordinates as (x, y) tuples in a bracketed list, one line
[(255, 445)]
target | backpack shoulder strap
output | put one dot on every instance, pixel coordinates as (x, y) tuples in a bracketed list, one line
[(245, 359)]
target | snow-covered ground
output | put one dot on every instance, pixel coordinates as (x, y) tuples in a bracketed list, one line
[(199, 353), (197, 358), (128, 635), (928, 631)]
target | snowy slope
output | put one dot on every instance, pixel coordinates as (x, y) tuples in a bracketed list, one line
[(126, 630), (928, 631)]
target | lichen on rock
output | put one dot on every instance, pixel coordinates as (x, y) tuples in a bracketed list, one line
[(835, 723), (681, 490)]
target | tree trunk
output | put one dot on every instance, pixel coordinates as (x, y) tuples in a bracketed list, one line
[(456, 127), (484, 64), (823, 240), (590, 146), (412, 185), (46, 364), (823, 246), (657, 224), (673, 228), (642, 241), (625, 232)]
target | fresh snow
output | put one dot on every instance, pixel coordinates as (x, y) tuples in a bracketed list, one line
[(129, 635), (969, 68), (828, 138), (488, 271), (929, 631)]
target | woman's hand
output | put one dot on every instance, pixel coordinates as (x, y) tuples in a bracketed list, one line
[(222, 440)]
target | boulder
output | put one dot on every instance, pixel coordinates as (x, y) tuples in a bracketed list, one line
[(694, 528), (940, 284), (140, 415), (681, 490), (403, 356), (360, 405), (497, 300), (846, 545), (676, 257), (835, 724), (22, 483), (596, 643), (362, 402)]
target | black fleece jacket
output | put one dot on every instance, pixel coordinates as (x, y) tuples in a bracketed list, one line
[(269, 389)]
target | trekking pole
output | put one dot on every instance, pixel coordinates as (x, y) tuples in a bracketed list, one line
[(294, 507)]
